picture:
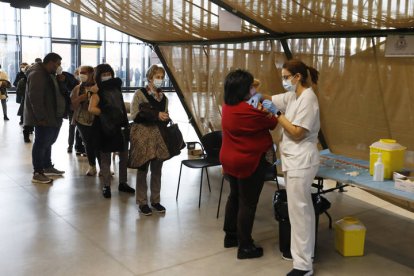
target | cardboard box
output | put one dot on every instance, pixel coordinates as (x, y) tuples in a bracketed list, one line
[(404, 181), (195, 152)]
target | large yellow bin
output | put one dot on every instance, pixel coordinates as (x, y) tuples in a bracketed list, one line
[(349, 237), (392, 156)]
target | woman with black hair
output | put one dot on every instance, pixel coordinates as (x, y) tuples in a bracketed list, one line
[(107, 103), (246, 139)]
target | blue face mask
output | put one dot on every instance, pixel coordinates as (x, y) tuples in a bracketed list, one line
[(288, 86)]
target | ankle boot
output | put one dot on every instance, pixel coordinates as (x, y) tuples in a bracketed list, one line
[(26, 137), (249, 252), (230, 240)]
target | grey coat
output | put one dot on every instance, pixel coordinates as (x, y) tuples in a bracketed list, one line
[(40, 98)]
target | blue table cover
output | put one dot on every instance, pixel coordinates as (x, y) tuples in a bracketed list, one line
[(335, 167)]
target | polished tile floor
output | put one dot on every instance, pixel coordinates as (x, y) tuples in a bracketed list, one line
[(68, 228)]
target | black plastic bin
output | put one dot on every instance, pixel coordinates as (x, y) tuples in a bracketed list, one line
[(280, 208)]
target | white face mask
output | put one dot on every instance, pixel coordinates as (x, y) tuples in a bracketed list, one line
[(83, 77), (288, 86), (59, 70), (157, 83), (23, 69), (105, 78)]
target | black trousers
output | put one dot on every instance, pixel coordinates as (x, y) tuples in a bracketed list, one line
[(241, 204), (90, 137), (74, 135)]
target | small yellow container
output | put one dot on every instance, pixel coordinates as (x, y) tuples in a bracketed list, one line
[(349, 237), (392, 156)]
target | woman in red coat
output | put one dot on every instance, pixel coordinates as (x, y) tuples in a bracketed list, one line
[(246, 139)]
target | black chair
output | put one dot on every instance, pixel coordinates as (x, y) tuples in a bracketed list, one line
[(270, 175), (210, 145)]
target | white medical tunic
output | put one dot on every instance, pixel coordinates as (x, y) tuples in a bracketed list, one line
[(303, 112)]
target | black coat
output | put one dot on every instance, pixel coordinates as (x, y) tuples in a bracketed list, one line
[(118, 140)]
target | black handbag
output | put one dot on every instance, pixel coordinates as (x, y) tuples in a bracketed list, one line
[(174, 139)]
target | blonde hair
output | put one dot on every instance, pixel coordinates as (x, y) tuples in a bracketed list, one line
[(88, 68), (153, 70), (256, 83)]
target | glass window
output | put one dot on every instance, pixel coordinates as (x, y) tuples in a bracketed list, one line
[(113, 35), (65, 51), (9, 55), (34, 47), (90, 29), (61, 22), (136, 64), (8, 19), (90, 55), (113, 57), (35, 22)]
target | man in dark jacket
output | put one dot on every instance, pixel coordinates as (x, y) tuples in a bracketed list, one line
[(44, 108)]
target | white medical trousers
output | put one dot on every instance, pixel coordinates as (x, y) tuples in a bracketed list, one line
[(301, 216)]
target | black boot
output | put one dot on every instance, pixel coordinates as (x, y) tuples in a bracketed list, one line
[(249, 252), (26, 136), (230, 240)]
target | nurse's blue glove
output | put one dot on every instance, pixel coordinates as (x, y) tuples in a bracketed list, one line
[(269, 106)]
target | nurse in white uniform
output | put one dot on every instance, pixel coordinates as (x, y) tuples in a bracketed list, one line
[(299, 118)]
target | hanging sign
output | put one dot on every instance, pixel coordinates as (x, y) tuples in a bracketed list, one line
[(399, 46)]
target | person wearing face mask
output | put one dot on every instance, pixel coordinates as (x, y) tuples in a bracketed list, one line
[(83, 119), (44, 108), (74, 136), (107, 104), (21, 91), (19, 75), (299, 118), (246, 139), (149, 110), (4, 85)]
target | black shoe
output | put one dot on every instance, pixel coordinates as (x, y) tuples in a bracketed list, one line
[(106, 192), (145, 210), (26, 139), (70, 149), (21, 123), (298, 272), (249, 252), (6, 118), (80, 151), (230, 240), (158, 207), (123, 187), (287, 256)]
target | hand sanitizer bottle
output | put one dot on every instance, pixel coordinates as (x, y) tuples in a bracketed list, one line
[(379, 169)]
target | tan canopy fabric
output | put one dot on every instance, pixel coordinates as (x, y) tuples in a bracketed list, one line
[(363, 95)]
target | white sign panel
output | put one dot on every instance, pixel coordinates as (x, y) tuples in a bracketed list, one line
[(399, 46), (229, 22)]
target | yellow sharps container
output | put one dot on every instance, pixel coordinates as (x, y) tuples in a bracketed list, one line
[(392, 156), (349, 237)]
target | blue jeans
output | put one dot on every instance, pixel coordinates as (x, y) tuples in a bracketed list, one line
[(45, 137)]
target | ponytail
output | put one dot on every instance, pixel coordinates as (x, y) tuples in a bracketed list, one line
[(309, 74), (314, 74)]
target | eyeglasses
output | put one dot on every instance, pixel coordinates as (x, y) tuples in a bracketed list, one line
[(286, 77)]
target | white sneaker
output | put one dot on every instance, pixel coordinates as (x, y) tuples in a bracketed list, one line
[(91, 171)]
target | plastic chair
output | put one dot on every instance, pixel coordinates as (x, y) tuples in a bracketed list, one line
[(210, 145)]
